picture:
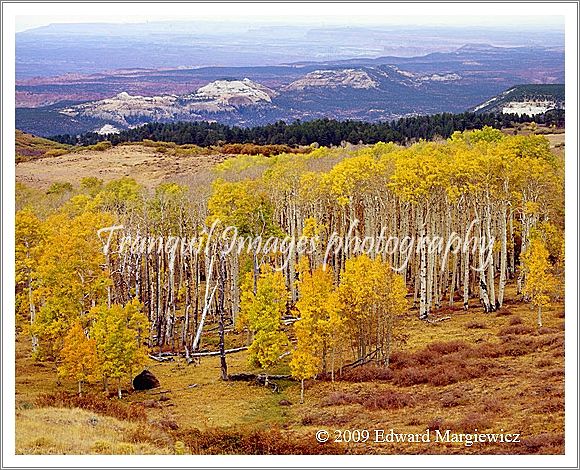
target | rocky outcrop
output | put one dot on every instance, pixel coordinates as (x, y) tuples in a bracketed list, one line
[(145, 381), (350, 78), (235, 92), (128, 110)]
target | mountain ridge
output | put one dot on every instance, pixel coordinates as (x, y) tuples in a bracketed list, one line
[(248, 96)]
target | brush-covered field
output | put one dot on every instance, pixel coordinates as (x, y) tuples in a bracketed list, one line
[(474, 371)]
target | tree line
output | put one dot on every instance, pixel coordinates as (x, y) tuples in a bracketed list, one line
[(324, 132)]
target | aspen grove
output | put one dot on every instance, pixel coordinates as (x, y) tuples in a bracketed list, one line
[(499, 197)]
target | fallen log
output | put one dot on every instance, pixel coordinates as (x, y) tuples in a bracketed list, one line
[(437, 320), (217, 353), (246, 377), (157, 392), (362, 360), (161, 358)]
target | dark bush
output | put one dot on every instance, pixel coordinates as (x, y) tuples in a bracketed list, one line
[(447, 374), (388, 400), (436, 423), (439, 348), (475, 325), (503, 312), (340, 398), (472, 422), (452, 398), (492, 405), (411, 376), (367, 373), (547, 442), (517, 329)]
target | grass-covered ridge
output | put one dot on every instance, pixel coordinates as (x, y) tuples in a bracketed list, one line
[(30, 147)]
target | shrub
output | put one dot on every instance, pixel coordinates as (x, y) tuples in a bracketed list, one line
[(446, 374), (124, 449), (101, 146), (436, 423), (449, 347), (516, 347), (550, 373), (102, 447), (340, 398), (516, 330), (515, 321), (431, 354), (503, 312), (492, 404), (55, 152), (60, 188), (547, 442), (475, 325), (547, 331), (451, 399), (367, 373), (410, 376), (179, 448), (307, 420), (550, 404), (388, 400), (552, 341), (253, 442), (471, 422), (489, 350), (544, 362), (402, 359)]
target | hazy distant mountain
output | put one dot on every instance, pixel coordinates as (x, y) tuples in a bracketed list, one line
[(376, 89), (93, 48)]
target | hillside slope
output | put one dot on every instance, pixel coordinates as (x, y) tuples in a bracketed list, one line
[(525, 99), (147, 165), (30, 147)]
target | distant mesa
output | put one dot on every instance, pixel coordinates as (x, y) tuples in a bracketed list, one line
[(235, 92), (351, 78), (127, 110)]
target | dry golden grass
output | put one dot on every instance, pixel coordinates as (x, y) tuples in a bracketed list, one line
[(490, 376), (145, 164), (75, 431)]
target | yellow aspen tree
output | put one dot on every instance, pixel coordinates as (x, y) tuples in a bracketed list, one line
[(372, 296), (78, 356), (263, 311), (540, 282), (29, 239), (118, 334), (71, 277), (319, 330), (305, 363)]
